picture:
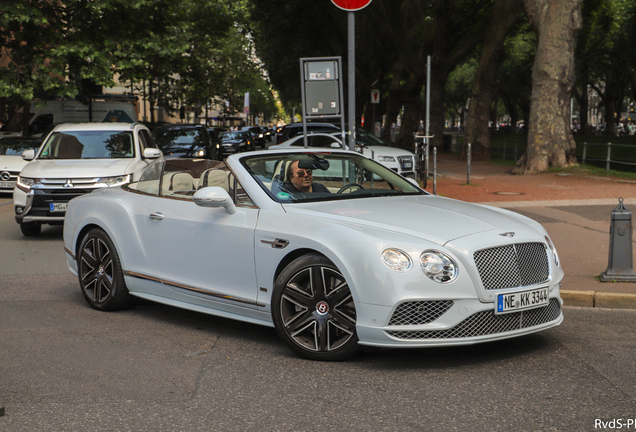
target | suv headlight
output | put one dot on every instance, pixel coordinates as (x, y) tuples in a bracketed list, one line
[(438, 266), (386, 159), (115, 181), (25, 183)]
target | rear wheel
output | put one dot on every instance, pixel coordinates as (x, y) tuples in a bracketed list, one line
[(100, 274), (313, 310), (30, 229)]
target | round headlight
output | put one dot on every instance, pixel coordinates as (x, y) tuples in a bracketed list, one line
[(438, 266), (397, 260), (553, 249)]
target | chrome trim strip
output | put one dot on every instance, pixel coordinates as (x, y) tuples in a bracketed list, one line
[(68, 251), (193, 289)]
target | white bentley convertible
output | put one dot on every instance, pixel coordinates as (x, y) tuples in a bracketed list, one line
[(331, 248)]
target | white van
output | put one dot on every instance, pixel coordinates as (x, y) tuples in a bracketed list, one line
[(44, 117)]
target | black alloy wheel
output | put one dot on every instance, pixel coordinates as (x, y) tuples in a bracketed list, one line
[(314, 311), (100, 274)]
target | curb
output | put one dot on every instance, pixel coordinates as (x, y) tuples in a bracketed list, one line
[(599, 299)]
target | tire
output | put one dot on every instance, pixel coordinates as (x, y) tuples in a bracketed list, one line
[(100, 274), (30, 229), (313, 310)]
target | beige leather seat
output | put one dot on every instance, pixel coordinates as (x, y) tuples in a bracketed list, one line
[(175, 182), (215, 177)]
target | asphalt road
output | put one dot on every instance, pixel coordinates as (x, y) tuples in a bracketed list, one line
[(67, 367)]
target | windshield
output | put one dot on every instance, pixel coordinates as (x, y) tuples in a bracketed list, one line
[(325, 176), (230, 135), (89, 145), (15, 146)]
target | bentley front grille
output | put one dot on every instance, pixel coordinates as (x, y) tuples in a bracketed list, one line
[(419, 312), (488, 323), (512, 266)]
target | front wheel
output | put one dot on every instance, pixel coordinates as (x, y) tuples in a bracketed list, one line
[(313, 310), (100, 273)]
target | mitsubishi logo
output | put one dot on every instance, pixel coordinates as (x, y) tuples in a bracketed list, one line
[(68, 184), (507, 234), (4, 175)]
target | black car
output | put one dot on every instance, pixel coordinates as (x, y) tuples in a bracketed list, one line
[(214, 132), (235, 142), (257, 134), (291, 130), (185, 141)]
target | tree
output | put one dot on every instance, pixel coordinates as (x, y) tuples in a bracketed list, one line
[(30, 32), (550, 141), (505, 14)]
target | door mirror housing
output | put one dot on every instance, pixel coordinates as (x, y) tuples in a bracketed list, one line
[(28, 155), (214, 196)]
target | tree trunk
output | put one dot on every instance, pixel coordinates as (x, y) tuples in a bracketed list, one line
[(438, 95), (504, 15), (394, 102), (26, 108), (550, 141)]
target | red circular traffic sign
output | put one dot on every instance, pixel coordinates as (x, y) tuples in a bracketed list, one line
[(351, 5)]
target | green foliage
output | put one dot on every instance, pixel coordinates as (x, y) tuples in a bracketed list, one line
[(189, 51)]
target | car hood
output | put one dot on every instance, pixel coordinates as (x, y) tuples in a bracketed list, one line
[(75, 168), (231, 141), (430, 217), (11, 163)]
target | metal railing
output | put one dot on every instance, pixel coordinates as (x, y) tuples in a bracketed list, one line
[(607, 153)]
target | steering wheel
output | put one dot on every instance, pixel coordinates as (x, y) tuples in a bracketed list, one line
[(350, 186)]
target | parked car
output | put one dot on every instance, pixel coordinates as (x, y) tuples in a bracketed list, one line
[(258, 136), (235, 142), (74, 160), (399, 160), (370, 259), (185, 141), (11, 162), (289, 131)]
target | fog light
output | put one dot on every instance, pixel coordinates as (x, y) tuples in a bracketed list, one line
[(19, 210)]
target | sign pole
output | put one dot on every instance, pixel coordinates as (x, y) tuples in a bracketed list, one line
[(351, 69)]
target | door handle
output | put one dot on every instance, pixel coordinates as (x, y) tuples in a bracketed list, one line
[(156, 216)]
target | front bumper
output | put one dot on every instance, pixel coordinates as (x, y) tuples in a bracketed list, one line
[(466, 322), (35, 206)]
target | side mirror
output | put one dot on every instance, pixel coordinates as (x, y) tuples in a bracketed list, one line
[(28, 155), (214, 196), (149, 153)]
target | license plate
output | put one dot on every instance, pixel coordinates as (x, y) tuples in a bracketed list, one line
[(407, 165), (58, 207), (7, 185), (521, 300)]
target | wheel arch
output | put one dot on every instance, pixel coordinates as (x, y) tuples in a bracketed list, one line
[(291, 256)]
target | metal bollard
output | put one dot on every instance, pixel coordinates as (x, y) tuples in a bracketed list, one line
[(620, 263)]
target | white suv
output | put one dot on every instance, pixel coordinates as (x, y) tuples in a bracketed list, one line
[(76, 159)]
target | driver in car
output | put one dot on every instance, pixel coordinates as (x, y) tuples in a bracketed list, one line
[(301, 180)]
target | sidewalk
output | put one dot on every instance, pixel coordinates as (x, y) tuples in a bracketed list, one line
[(575, 210)]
